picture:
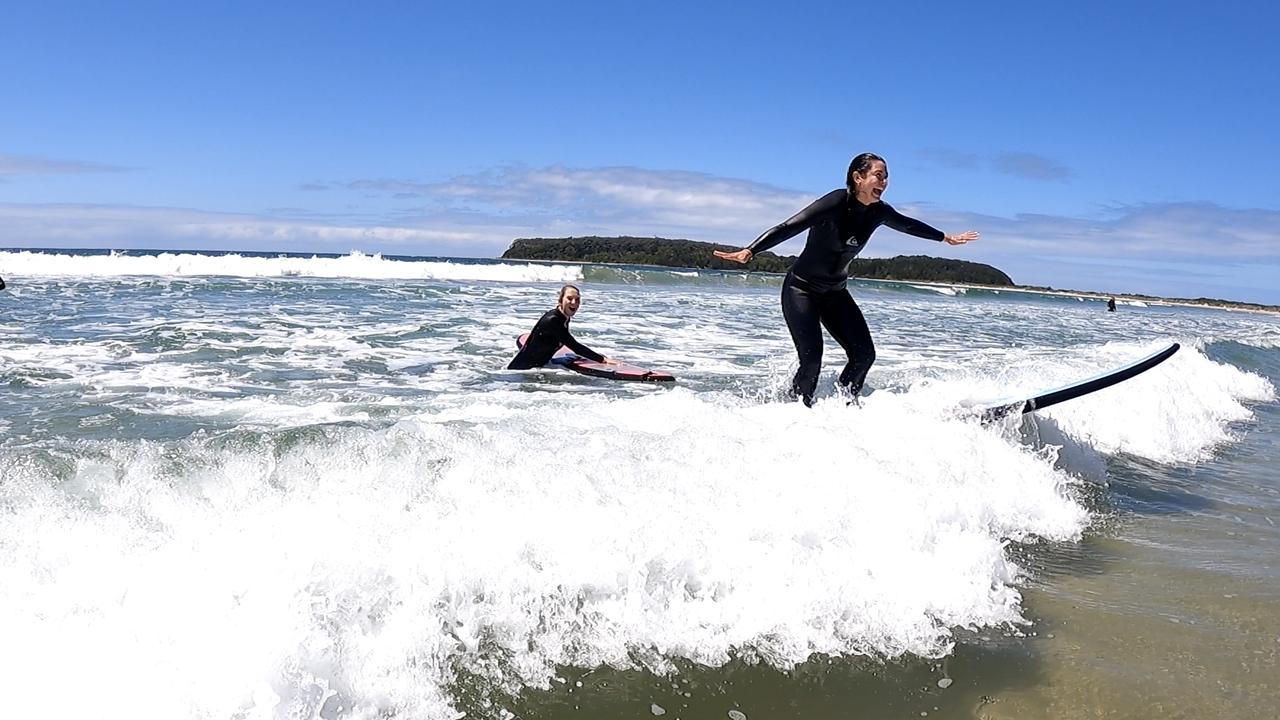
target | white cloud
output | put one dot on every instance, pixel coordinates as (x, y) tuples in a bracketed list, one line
[(1030, 166), (636, 200), (118, 226), (946, 157), (15, 165), (1025, 165), (1186, 231), (1182, 245)]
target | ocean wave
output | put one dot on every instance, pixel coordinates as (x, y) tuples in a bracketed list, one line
[(257, 498), (354, 265), (1181, 411), (503, 538), (648, 275)]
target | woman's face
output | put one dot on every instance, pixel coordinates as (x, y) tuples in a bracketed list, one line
[(569, 302), (870, 185)]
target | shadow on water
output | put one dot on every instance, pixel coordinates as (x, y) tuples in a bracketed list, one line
[(1264, 361), (1118, 484), (1043, 561), (1143, 487), (955, 687), (1113, 489)]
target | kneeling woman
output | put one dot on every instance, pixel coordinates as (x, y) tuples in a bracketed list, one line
[(813, 293), (551, 332)]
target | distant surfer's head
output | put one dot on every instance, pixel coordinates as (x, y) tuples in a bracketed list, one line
[(867, 178), (570, 299)]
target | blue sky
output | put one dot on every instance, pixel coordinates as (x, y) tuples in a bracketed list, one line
[(1109, 146)]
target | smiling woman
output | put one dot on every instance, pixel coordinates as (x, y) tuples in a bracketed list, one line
[(839, 223), (551, 332)]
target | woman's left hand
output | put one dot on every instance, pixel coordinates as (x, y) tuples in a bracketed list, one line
[(962, 238)]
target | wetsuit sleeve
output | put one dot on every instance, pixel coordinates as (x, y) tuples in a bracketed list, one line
[(910, 226), (567, 340), (797, 223)]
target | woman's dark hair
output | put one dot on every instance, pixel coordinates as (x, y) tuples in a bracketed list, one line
[(860, 164)]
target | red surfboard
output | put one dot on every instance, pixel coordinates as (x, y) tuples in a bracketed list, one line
[(567, 358)]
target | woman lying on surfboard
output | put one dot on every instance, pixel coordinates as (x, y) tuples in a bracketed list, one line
[(551, 332), (813, 293)]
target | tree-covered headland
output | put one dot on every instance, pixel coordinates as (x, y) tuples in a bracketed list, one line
[(692, 254)]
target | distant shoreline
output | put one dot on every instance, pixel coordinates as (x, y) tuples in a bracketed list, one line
[(931, 271), (1127, 298), (1132, 300), (1086, 294)]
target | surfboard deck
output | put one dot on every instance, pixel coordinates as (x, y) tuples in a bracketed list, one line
[(622, 371), (998, 411)]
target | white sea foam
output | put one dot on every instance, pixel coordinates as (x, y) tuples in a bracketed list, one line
[(1180, 411), (311, 495), (1183, 414), (353, 265), (1260, 336), (942, 289), (368, 567)]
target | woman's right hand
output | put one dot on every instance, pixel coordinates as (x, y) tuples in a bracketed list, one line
[(742, 256)]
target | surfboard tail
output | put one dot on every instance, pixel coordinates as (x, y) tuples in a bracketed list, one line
[(1000, 412)]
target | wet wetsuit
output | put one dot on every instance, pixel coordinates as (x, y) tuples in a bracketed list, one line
[(814, 292), (547, 336)]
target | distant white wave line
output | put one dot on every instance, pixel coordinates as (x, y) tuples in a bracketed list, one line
[(353, 265), (942, 290)]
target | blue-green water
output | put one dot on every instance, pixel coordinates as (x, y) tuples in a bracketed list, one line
[(253, 486)]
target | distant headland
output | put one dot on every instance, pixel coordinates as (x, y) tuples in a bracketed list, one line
[(692, 254), (667, 252)]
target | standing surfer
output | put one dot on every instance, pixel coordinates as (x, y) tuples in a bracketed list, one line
[(813, 293), (552, 331)]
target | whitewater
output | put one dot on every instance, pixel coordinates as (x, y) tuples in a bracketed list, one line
[(258, 486)]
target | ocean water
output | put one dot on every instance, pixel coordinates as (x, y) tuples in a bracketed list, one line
[(253, 486)]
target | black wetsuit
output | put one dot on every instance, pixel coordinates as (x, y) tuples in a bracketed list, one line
[(547, 336), (814, 292)]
